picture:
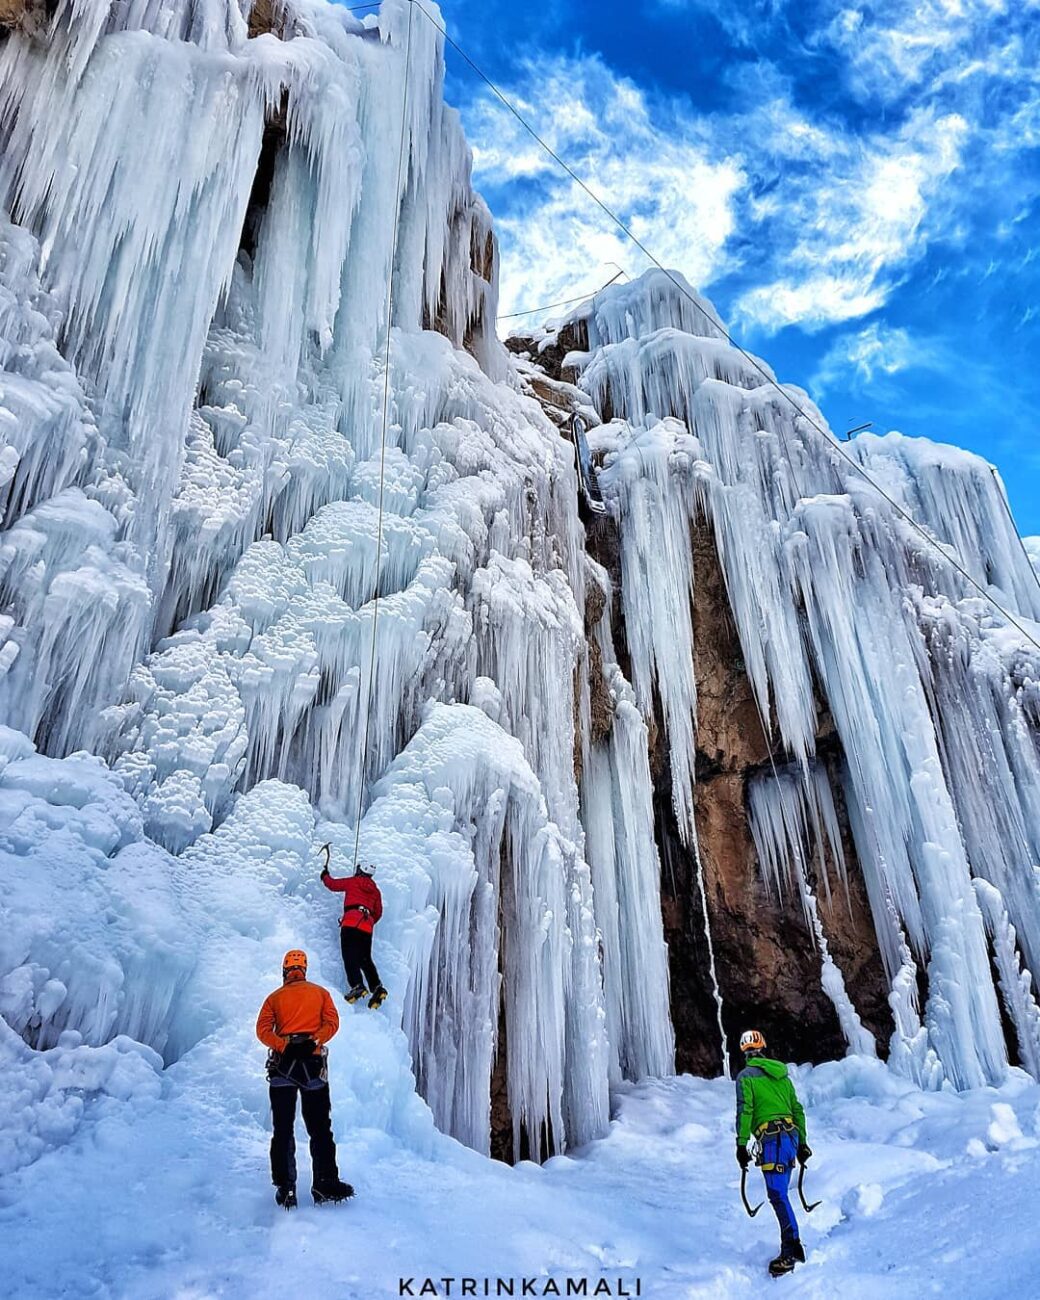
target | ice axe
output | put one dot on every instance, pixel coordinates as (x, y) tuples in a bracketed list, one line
[(743, 1194), (805, 1204), (327, 850)]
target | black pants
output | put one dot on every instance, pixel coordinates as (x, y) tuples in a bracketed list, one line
[(356, 946), (316, 1105)]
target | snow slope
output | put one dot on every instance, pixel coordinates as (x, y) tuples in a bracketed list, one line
[(924, 1193)]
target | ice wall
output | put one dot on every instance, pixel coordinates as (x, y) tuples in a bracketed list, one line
[(932, 692), (215, 460)]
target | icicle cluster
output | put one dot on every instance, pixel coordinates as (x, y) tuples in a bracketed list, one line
[(932, 692), (209, 473)]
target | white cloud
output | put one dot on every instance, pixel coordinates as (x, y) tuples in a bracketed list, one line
[(846, 231), (656, 168), (904, 46), (861, 357), (821, 212)]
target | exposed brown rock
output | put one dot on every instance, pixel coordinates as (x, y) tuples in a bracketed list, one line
[(482, 255), (29, 16), (266, 16), (767, 963), (573, 337), (501, 1116), (600, 701)]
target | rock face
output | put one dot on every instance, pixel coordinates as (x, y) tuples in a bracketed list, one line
[(26, 15), (267, 16), (766, 963)]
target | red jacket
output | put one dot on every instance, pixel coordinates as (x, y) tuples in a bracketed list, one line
[(362, 901)]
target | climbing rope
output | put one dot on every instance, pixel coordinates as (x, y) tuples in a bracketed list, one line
[(832, 443), (382, 446), (566, 302)]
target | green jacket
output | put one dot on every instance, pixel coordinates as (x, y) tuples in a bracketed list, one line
[(764, 1093)]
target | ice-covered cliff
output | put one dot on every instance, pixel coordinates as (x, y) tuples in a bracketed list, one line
[(211, 213), (883, 684), (199, 509)]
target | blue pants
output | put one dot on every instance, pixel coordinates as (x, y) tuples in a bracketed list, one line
[(780, 1151)]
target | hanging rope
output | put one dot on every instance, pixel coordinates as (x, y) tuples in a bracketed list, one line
[(382, 445)]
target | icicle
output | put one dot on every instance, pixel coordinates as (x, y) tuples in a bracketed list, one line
[(796, 527), (1016, 983), (716, 990), (500, 883), (909, 1051), (792, 814), (617, 812)]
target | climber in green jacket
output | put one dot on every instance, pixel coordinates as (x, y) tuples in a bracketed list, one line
[(769, 1110)]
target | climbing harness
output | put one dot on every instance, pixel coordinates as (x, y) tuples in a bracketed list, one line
[(586, 474)]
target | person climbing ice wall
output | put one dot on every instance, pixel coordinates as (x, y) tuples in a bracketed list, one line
[(362, 908)]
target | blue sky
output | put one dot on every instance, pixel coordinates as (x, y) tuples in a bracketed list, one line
[(856, 186)]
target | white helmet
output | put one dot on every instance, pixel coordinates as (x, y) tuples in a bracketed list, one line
[(751, 1041), (366, 868)]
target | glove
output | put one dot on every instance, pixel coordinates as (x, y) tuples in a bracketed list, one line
[(743, 1155), (804, 1152)]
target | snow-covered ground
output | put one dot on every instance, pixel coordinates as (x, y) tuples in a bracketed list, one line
[(165, 1194), (122, 1178)]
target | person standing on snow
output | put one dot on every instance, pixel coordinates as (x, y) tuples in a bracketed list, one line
[(295, 1022), (362, 908), (769, 1109)]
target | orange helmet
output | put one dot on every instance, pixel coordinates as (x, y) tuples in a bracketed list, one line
[(294, 959), (752, 1041)]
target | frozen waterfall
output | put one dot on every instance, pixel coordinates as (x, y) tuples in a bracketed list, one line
[(840, 606), (194, 265), (198, 206)]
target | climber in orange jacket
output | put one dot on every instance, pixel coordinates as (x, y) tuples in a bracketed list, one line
[(362, 908), (295, 1023)]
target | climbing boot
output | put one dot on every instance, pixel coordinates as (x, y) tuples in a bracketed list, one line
[(285, 1196), (331, 1192), (379, 996), (356, 993), (784, 1263)]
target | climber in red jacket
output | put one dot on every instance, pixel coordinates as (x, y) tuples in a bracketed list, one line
[(362, 908)]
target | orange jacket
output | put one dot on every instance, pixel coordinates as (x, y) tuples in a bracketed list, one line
[(297, 1008)]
